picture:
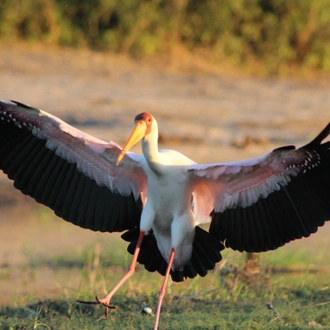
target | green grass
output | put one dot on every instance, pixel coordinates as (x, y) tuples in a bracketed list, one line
[(299, 308), (227, 298)]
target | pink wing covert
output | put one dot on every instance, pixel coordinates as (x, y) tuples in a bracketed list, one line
[(242, 183)]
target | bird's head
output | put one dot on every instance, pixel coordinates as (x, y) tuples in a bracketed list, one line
[(143, 126)]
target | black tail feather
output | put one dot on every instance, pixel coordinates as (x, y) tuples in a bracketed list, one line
[(206, 253)]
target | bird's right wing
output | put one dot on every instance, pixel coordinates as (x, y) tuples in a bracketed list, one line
[(70, 171), (262, 203)]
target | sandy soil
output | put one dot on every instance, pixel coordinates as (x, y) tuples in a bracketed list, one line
[(207, 115)]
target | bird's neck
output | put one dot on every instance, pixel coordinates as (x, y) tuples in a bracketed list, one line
[(150, 149), (151, 153)]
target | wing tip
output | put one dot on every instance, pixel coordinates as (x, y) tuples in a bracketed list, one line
[(320, 137), (8, 102), (12, 103)]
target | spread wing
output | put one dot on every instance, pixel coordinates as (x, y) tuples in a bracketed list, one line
[(263, 203), (71, 172)]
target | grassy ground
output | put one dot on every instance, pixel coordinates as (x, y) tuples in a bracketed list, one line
[(296, 284), (300, 299)]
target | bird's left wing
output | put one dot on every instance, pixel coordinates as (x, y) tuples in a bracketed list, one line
[(263, 203), (70, 171)]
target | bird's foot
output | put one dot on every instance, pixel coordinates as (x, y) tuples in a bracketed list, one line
[(104, 301)]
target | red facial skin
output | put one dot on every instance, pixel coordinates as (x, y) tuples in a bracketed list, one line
[(147, 118)]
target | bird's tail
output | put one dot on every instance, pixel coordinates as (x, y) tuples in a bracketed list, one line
[(206, 253)]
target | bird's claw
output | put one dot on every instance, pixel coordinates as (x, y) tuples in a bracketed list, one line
[(104, 304), (97, 301)]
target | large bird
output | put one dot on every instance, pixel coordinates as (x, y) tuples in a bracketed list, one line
[(160, 197)]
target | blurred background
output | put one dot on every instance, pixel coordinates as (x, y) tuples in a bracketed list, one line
[(226, 80), (265, 37)]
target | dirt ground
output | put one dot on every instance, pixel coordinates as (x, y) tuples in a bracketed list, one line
[(206, 114)]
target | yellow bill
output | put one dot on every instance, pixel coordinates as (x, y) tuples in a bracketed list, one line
[(137, 135)]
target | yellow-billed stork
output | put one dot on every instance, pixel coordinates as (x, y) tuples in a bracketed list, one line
[(160, 197)]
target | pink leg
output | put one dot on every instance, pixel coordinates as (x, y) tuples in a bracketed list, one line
[(106, 299), (163, 288)]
